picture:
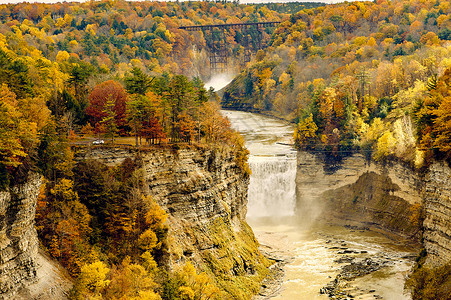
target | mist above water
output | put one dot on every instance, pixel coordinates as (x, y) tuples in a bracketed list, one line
[(285, 231), (272, 187), (219, 81)]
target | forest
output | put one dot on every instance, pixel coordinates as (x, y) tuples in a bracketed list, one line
[(365, 76), (372, 77), (116, 72)]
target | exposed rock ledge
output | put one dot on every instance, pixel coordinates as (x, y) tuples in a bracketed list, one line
[(18, 237), (204, 192), (437, 219), (26, 272), (392, 198), (386, 198)]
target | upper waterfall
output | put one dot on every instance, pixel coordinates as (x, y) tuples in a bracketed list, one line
[(272, 188)]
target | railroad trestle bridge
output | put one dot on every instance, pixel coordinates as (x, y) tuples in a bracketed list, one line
[(215, 37)]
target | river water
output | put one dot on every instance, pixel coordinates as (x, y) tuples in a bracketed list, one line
[(314, 254)]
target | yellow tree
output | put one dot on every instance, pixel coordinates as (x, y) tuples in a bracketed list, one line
[(17, 133), (305, 133), (92, 280), (442, 121)]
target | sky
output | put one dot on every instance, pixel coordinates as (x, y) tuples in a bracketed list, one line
[(241, 1)]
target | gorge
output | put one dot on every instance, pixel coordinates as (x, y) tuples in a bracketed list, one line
[(120, 179), (381, 205), (205, 194)]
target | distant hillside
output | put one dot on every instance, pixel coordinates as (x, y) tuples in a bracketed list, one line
[(114, 36), (354, 76)]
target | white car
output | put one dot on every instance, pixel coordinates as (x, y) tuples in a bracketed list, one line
[(98, 142)]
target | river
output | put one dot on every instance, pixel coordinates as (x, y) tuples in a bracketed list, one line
[(312, 255)]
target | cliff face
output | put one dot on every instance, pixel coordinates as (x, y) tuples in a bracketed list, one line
[(383, 197), (204, 193), (18, 237), (392, 198), (437, 222)]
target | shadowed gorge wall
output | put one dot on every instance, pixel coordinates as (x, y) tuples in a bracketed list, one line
[(390, 197), (437, 222)]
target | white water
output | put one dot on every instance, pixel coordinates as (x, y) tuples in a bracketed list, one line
[(312, 251), (272, 189), (219, 81)]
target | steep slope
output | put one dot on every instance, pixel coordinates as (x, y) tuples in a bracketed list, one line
[(392, 198), (386, 198), (437, 222), (25, 271), (204, 192), (18, 237)]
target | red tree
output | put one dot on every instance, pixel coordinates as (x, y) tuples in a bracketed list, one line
[(100, 95), (152, 130)]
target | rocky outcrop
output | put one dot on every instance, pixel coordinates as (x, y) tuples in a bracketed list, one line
[(204, 192), (371, 202), (360, 192), (25, 271), (18, 237), (389, 197), (437, 221)]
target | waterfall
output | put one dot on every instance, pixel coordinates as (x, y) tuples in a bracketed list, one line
[(272, 187)]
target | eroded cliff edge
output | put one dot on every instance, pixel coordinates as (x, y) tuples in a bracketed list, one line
[(18, 237), (437, 216), (389, 197), (26, 272), (204, 192)]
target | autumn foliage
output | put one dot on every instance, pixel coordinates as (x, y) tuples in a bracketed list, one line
[(353, 76), (108, 91)]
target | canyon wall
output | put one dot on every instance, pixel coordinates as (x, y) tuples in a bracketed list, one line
[(389, 197), (18, 237), (358, 192), (204, 192), (26, 272), (437, 219)]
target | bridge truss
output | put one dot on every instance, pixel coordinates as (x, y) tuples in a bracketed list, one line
[(216, 41)]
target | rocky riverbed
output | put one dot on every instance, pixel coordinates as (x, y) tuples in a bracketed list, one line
[(333, 263), (356, 263)]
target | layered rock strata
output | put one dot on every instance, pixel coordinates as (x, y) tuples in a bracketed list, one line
[(18, 237), (391, 197), (386, 197), (204, 192), (437, 221)]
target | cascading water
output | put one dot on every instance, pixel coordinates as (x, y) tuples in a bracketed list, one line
[(272, 189), (310, 253)]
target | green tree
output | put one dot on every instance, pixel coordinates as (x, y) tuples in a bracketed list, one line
[(137, 82), (79, 74), (15, 73), (56, 157), (109, 120), (179, 96), (135, 113)]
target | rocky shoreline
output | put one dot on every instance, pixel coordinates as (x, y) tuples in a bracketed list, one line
[(272, 283), (359, 260), (357, 263)]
